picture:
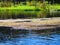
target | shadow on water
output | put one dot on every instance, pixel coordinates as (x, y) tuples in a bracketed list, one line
[(29, 37)]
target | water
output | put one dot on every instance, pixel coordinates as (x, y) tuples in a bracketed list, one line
[(25, 37)]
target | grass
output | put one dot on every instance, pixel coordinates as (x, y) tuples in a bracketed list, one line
[(25, 11), (18, 7), (18, 11), (55, 7)]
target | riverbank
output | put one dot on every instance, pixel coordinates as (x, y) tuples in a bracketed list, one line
[(31, 24), (21, 11)]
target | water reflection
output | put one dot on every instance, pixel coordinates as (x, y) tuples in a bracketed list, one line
[(33, 37)]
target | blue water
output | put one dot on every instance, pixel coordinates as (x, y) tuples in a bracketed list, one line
[(30, 37)]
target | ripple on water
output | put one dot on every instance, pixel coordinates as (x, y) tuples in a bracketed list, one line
[(32, 39)]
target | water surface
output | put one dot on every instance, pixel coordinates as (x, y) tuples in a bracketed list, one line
[(25, 37)]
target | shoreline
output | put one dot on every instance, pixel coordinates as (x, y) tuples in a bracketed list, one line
[(31, 24)]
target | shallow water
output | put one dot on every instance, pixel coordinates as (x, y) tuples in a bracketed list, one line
[(25, 37)]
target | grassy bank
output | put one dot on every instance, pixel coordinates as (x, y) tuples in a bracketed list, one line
[(26, 11), (19, 12)]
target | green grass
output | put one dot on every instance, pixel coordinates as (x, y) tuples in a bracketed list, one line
[(26, 7), (18, 11), (24, 11), (56, 7), (19, 7)]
